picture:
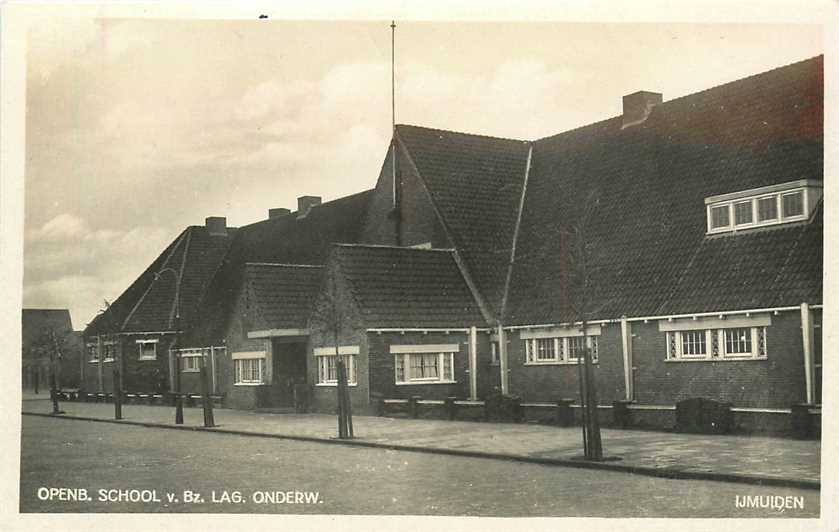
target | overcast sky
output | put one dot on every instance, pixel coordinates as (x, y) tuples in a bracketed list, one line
[(135, 128)]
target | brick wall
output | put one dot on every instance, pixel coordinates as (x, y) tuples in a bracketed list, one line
[(774, 383), (540, 383), (382, 371), (350, 333), (415, 221)]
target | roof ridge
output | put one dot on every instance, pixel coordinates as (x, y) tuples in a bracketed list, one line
[(387, 246), (510, 139), (284, 265), (292, 215)]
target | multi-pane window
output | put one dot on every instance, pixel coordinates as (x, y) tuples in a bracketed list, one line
[(419, 368), (767, 209), (743, 213), (738, 341), (793, 204), (248, 370), (92, 353), (770, 205), (558, 350), (328, 369), (147, 349), (694, 343), (191, 360), (715, 344), (720, 217), (109, 350)]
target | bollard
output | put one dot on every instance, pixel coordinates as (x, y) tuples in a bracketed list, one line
[(451, 408), (564, 414), (117, 395), (206, 402), (413, 406)]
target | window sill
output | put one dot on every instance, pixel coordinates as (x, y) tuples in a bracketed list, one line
[(417, 383), (108, 361), (147, 358), (249, 384), (190, 371), (335, 384), (717, 359), (93, 361)]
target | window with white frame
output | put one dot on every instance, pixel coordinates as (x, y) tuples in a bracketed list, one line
[(424, 364), (147, 349), (735, 343), (327, 361), (559, 345), (191, 360), (92, 353), (109, 349), (249, 368), (771, 205)]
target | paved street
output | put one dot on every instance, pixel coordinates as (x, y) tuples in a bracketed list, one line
[(99, 456), (764, 457)]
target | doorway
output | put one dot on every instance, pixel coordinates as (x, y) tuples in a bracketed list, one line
[(288, 369)]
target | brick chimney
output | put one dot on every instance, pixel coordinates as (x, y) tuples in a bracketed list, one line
[(216, 225), (278, 212), (305, 204), (637, 107)]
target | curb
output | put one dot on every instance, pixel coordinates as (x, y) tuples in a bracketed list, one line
[(671, 473)]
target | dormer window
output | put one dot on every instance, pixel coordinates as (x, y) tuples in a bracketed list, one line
[(760, 207)]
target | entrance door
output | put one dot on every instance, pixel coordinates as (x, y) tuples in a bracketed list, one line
[(289, 368)]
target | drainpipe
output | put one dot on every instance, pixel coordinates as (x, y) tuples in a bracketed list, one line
[(626, 339), (502, 356), (473, 363), (809, 348)]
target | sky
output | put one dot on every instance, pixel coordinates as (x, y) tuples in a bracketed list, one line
[(137, 128)]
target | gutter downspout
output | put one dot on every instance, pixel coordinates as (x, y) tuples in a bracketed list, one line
[(502, 358), (473, 363), (626, 341), (809, 348)]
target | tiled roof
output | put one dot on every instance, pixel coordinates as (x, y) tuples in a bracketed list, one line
[(148, 305), (406, 287), (475, 183), (280, 296), (647, 245), (284, 240)]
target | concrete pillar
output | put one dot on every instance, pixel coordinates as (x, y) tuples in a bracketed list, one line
[(626, 342), (502, 358), (473, 363), (808, 349)]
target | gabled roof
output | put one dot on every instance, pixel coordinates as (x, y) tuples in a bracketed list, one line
[(406, 287), (37, 322), (280, 296), (649, 251), (286, 239), (475, 183), (177, 278)]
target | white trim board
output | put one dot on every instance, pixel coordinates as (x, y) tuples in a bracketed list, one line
[(425, 348), (763, 320), (268, 333), (559, 332), (330, 351), (247, 355)]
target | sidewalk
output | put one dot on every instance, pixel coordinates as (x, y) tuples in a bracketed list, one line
[(756, 460)]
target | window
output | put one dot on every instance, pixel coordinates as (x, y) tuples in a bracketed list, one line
[(720, 217), (495, 353), (717, 344), (793, 204), (424, 364), (147, 349), (249, 368), (92, 353), (760, 207), (328, 366), (109, 349), (767, 209), (191, 360), (563, 350), (743, 213)]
